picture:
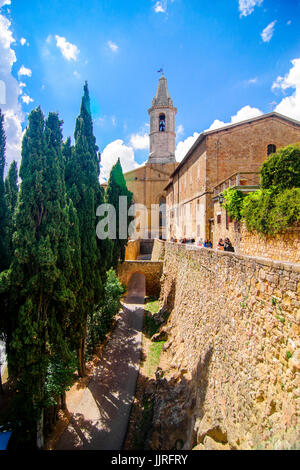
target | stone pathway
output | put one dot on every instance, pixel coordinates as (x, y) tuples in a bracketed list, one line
[(100, 421)]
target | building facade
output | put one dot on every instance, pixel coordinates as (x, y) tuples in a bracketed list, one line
[(228, 156), (148, 182)]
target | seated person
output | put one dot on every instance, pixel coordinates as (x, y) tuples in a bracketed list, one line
[(227, 245)]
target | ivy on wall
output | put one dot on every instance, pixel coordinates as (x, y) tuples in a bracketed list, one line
[(276, 206)]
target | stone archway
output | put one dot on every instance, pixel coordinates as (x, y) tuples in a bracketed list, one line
[(152, 271)]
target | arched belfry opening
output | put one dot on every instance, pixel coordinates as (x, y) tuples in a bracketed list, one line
[(162, 123)]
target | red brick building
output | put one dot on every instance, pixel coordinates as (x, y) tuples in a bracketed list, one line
[(228, 156)]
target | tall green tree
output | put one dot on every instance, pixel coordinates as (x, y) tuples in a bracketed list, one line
[(3, 207), (82, 177), (40, 294), (11, 195), (116, 188)]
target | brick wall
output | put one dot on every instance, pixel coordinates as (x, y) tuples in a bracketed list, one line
[(231, 363), (219, 155)]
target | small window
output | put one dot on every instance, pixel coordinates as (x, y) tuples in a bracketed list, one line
[(271, 149), (218, 218), (162, 123)]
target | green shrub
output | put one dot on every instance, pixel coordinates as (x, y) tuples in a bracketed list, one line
[(233, 202), (276, 206), (282, 169), (100, 321)]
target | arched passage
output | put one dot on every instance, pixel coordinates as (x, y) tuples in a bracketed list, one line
[(151, 270), (136, 290)]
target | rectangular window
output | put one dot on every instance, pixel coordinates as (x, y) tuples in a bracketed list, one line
[(218, 218)]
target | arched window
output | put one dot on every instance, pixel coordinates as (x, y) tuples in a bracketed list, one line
[(162, 123), (271, 149)]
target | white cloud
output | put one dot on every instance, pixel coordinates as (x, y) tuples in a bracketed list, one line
[(26, 99), (113, 46), (13, 115), (251, 81), (76, 74), (22, 84), (139, 141), (160, 7), (8, 56), (4, 2), (185, 145), (23, 41), (24, 72), (68, 50), (179, 130), (247, 112), (268, 32), (290, 105), (111, 153), (246, 7)]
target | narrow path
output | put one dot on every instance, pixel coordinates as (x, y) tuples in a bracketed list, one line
[(101, 418)]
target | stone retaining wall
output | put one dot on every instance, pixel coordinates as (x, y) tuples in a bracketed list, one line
[(231, 363), (282, 246)]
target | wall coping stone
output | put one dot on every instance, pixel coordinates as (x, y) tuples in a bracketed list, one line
[(288, 266)]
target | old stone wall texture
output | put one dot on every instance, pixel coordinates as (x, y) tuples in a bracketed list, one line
[(151, 269), (231, 362), (281, 246), (158, 251)]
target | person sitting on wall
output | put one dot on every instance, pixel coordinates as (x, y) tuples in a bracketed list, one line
[(200, 242), (227, 245), (207, 243), (220, 245)]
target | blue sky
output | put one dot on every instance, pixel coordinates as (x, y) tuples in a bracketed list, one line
[(224, 61)]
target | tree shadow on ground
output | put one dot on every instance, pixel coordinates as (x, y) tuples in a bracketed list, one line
[(100, 422)]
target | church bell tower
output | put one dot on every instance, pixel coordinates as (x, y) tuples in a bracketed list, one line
[(162, 125)]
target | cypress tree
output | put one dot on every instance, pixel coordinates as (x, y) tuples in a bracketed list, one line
[(82, 177), (3, 208), (40, 273), (11, 194), (117, 187)]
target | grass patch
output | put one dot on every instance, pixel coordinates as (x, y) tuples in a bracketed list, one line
[(153, 357), (152, 306)]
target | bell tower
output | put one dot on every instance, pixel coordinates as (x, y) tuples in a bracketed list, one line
[(162, 125)]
